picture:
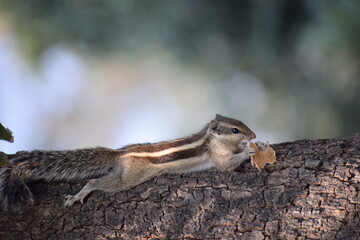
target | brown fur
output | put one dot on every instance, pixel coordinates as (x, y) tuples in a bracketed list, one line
[(117, 170)]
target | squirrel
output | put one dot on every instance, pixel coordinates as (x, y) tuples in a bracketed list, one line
[(222, 143)]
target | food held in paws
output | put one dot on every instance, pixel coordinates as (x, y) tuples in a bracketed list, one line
[(263, 154)]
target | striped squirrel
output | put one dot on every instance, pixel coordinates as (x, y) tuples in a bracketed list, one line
[(222, 143)]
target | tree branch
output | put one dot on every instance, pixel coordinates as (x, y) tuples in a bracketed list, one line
[(313, 191)]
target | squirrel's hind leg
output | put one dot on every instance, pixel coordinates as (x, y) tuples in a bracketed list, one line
[(110, 183), (71, 199)]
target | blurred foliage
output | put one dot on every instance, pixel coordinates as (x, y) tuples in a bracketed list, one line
[(6, 134), (187, 27), (302, 51)]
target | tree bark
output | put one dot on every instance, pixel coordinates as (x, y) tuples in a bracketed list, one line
[(313, 191)]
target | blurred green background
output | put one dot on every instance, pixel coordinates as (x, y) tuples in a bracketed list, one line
[(84, 73)]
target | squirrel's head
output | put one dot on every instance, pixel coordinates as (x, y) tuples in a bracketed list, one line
[(230, 131)]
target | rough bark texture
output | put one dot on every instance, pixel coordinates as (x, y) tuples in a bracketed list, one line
[(312, 192)]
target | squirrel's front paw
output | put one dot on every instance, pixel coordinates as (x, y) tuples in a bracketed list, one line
[(262, 146), (250, 151)]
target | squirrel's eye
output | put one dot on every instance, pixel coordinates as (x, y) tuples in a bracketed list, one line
[(235, 130)]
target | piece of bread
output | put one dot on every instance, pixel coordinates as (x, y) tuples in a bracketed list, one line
[(263, 154)]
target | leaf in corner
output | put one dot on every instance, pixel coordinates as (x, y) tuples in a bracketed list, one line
[(6, 134)]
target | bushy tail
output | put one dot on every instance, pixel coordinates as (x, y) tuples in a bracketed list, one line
[(13, 191)]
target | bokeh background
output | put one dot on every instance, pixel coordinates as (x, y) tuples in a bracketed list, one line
[(83, 73)]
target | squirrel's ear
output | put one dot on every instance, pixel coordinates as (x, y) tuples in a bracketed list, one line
[(213, 125), (218, 116)]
